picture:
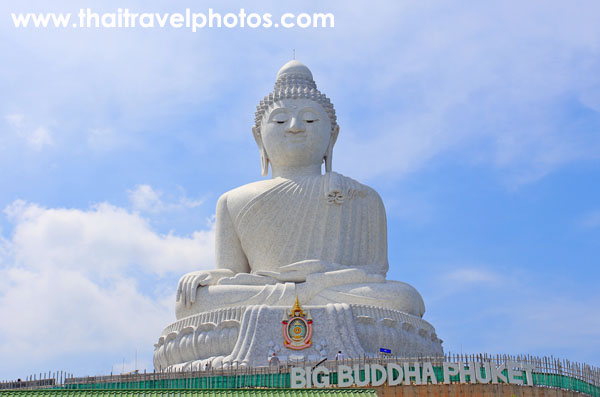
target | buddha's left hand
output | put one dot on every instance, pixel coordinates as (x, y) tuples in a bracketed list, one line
[(298, 272), (247, 279)]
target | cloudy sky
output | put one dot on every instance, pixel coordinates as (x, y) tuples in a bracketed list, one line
[(477, 122)]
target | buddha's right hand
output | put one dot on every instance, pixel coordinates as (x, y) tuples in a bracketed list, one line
[(189, 283)]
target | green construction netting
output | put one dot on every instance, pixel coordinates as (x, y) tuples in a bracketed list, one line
[(193, 393)]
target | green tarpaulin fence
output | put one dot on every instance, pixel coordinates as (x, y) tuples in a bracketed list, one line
[(192, 393), (282, 380)]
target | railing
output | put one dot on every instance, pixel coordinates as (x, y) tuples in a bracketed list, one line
[(28, 384), (546, 372)]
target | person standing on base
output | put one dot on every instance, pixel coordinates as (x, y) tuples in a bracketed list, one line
[(274, 360)]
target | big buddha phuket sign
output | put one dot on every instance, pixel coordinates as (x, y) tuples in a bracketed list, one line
[(394, 374)]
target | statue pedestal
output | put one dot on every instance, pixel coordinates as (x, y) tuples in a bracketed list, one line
[(249, 335)]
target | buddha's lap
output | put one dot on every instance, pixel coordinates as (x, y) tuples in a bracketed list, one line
[(393, 295)]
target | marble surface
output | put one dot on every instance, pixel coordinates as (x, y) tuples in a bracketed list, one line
[(248, 336), (317, 236)]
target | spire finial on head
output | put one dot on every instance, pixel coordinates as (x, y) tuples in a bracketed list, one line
[(295, 67)]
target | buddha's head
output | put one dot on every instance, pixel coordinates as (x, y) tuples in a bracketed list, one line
[(295, 125)]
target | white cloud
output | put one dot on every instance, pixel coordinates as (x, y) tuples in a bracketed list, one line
[(35, 137), (102, 240), (39, 137), (56, 311), (4, 249), (15, 120), (145, 199), (75, 281), (104, 139), (478, 310), (429, 79), (458, 279), (473, 275), (541, 321), (558, 320), (515, 100)]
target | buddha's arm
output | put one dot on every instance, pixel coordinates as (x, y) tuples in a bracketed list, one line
[(231, 259), (301, 271), (229, 252), (375, 237)]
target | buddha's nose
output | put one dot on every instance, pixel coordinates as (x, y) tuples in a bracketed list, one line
[(295, 126)]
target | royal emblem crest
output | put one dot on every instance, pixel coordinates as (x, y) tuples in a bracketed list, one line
[(297, 328)]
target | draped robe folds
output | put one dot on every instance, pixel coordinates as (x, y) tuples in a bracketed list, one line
[(300, 220), (329, 218)]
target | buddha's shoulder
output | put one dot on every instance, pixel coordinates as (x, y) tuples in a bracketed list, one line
[(235, 199), (336, 184), (350, 187)]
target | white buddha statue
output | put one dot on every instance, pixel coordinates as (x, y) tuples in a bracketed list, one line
[(317, 236)]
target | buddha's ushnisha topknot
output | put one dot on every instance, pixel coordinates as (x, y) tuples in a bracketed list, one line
[(294, 80)]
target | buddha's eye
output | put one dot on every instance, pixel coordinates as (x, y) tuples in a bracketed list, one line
[(280, 118), (310, 117)]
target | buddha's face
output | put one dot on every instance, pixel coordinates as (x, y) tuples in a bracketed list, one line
[(296, 133)]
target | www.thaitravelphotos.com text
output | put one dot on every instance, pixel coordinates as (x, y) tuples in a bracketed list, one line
[(124, 18)]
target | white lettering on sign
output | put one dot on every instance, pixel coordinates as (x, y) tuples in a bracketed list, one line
[(345, 378), (378, 375), (449, 369), (412, 373), (297, 378), (429, 374), (392, 369), (324, 382)]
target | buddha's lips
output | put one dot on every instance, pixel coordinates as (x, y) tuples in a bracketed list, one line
[(296, 137)]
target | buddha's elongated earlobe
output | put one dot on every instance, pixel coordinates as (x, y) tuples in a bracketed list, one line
[(264, 158), (264, 162), (329, 153)]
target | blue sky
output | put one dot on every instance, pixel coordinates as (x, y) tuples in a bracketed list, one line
[(477, 122)]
